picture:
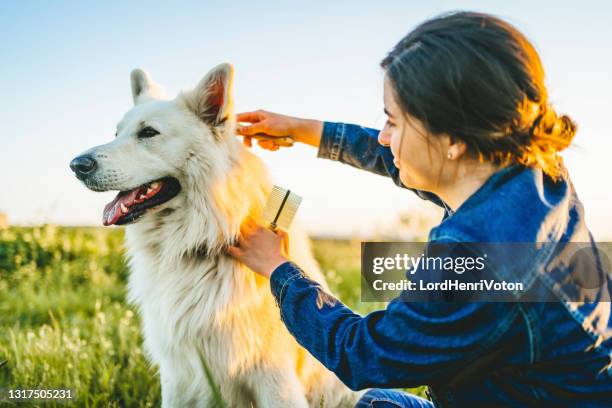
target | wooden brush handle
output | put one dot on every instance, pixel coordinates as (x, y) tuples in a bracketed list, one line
[(284, 141)]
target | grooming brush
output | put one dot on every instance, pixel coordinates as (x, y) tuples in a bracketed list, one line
[(281, 208), (284, 141)]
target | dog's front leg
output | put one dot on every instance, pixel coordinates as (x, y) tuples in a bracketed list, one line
[(169, 389), (173, 393), (275, 388), (178, 391)]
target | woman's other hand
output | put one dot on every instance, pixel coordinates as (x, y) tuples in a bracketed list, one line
[(274, 124)]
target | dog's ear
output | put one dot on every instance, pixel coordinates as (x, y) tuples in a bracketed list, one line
[(211, 100), (143, 87)]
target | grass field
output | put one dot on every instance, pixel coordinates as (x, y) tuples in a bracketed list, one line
[(64, 322)]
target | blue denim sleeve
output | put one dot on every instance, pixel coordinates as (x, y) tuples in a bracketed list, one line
[(358, 146), (406, 345)]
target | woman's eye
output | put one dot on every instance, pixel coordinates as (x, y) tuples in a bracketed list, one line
[(147, 132), (389, 124)]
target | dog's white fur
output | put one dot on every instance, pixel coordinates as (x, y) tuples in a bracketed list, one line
[(194, 300)]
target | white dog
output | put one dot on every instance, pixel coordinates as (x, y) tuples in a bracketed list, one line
[(190, 184)]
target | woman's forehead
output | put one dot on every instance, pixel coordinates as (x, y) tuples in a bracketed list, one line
[(389, 98)]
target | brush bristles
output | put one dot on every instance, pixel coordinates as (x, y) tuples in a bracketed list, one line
[(289, 210), (274, 203)]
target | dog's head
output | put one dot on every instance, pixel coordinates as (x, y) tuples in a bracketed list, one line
[(155, 142)]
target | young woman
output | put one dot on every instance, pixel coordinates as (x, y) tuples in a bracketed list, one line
[(470, 128)]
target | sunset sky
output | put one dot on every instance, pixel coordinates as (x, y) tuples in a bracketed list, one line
[(65, 82)]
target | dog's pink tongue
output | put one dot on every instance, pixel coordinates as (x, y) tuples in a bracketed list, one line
[(112, 210)]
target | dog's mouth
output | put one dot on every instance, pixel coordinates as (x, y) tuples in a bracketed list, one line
[(128, 206)]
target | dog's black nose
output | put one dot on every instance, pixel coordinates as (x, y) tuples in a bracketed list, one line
[(83, 165)]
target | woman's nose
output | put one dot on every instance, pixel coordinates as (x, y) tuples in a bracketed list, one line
[(384, 138)]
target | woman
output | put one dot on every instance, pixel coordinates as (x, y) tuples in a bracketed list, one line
[(471, 129)]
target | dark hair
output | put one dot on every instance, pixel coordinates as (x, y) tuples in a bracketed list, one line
[(476, 78)]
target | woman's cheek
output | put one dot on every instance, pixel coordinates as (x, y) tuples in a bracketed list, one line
[(395, 136)]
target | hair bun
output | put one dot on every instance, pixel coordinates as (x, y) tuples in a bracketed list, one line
[(552, 133)]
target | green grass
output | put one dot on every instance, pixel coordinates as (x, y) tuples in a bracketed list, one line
[(64, 322)]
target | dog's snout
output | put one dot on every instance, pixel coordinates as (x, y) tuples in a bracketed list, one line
[(83, 166)]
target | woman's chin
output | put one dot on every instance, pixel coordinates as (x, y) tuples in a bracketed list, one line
[(406, 180), (411, 182)]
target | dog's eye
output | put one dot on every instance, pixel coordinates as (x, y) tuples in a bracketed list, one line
[(147, 132)]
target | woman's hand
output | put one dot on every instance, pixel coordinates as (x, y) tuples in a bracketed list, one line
[(261, 249), (274, 124)]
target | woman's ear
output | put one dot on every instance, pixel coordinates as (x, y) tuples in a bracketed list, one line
[(456, 148)]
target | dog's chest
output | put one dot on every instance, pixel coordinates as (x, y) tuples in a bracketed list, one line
[(198, 304)]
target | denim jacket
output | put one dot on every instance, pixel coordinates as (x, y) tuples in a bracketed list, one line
[(470, 354)]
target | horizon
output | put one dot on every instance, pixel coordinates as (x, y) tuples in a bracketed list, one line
[(67, 83)]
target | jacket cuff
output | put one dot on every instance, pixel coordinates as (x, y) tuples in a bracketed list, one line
[(281, 277), (332, 141)]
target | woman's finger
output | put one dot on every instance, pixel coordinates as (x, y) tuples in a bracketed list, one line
[(247, 141), (284, 236), (251, 117), (234, 252), (253, 128), (281, 233), (267, 144)]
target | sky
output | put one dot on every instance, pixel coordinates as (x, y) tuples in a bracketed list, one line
[(64, 75)]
